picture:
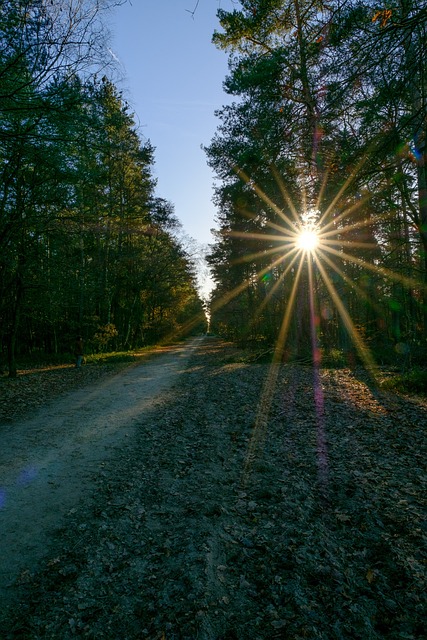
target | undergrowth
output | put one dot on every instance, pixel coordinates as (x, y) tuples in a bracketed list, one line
[(414, 381)]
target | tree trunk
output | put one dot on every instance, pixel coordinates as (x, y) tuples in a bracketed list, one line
[(12, 338)]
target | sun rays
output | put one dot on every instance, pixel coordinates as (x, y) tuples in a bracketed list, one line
[(324, 250), (308, 236), (307, 240), (324, 239)]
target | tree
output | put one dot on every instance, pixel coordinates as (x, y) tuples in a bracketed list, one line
[(43, 45), (323, 105), (79, 221)]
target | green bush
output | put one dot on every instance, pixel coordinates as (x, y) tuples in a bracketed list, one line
[(414, 381)]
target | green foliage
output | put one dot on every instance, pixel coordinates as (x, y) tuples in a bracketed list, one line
[(331, 117), (84, 242), (104, 336), (414, 381)]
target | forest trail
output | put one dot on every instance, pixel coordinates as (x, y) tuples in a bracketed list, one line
[(48, 460), (201, 496)]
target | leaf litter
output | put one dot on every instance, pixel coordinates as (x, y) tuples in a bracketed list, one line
[(200, 527)]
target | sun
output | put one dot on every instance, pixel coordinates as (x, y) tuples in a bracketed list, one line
[(307, 240)]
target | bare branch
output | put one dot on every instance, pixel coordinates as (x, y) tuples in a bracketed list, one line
[(194, 10)]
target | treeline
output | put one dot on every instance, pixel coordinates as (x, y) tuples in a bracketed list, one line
[(85, 245), (329, 124)]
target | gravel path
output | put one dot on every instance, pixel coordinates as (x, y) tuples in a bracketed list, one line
[(239, 502), (47, 461)]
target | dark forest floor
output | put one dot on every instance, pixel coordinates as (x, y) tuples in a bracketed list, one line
[(250, 503), (34, 387)]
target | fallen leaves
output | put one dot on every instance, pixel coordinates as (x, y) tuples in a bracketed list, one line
[(34, 388), (185, 536)]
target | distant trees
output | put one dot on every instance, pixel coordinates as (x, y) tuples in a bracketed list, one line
[(331, 118), (85, 246)]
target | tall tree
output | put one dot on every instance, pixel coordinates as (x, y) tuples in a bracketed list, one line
[(78, 216), (43, 44), (325, 100)]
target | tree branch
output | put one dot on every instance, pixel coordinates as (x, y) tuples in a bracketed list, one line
[(194, 10)]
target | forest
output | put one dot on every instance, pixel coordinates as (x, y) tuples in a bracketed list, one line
[(86, 246), (326, 135), (258, 480)]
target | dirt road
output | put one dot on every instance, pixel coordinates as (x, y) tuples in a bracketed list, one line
[(47, 461), (238, 501)]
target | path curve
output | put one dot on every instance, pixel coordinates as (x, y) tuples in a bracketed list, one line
[(47, 461)]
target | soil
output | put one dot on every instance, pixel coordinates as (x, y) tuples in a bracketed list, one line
[(199, 495)]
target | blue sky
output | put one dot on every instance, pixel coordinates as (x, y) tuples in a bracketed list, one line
[(173, 79)]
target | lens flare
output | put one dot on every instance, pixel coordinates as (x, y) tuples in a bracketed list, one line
[(324, 250)]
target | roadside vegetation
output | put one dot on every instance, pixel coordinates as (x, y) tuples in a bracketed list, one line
[(87, 246), (321, 168)]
